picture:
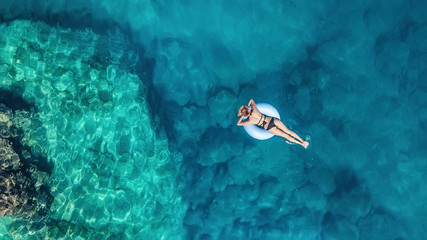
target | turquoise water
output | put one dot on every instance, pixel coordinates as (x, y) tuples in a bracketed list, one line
[(132, 108)]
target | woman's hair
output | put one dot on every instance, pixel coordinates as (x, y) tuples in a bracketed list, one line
[(244, 111)]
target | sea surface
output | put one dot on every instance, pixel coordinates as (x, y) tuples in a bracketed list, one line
[(132, 107)]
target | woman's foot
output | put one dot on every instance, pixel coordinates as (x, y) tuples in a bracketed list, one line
[(305, 144)]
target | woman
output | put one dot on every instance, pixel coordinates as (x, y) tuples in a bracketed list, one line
[(271, 124)]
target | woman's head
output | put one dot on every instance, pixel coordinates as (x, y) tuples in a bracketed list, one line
[(244, 111)]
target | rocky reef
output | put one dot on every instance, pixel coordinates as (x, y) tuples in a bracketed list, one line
[(112, 172), (23, 189)]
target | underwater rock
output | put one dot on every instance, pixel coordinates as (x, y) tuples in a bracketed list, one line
[(339, 228), (309, 196), (240, 172), (415, 33), (397, 50), (323, 179), (332, 53), (94, 122), (301, 224), (221, 178), (379, 225), (213, 149), (353, 205), (9, 160), (422, 119), (191, 130), (201, 183), (178, 72), (222, 108), (323, 132), (226, 207), (377, 22), (302, 100), (23, 192), (270, 193)]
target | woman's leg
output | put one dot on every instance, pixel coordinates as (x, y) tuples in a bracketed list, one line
[(282, 127), (276, 131)]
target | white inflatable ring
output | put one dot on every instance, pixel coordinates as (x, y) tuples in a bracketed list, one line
[(260, 133)]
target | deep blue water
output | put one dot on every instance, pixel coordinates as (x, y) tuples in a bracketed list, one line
[(140, 127)]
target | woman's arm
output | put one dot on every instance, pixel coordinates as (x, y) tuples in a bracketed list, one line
[(251, 103), (242, 123)]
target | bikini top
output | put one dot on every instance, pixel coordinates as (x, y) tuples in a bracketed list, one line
[(258, 124), (263, 121)]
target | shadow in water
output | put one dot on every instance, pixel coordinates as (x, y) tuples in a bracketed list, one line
[(346, 181), (15, 102)]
